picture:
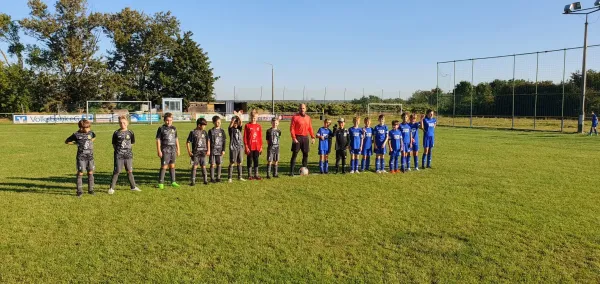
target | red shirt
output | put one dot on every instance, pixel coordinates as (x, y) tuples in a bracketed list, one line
[(301, 126), (253, 136)]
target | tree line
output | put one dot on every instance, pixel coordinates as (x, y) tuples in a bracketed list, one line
[(150, 57)]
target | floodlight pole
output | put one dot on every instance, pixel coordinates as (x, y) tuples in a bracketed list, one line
[(585, 12), (272, 88)]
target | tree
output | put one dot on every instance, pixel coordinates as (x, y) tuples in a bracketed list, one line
[(139, 40), (68, 42), (9, 33), (184, 73)]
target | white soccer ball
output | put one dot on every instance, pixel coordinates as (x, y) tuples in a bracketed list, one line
[(303, 171)]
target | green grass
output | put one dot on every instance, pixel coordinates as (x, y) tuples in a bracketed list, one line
[(499, 206), (520, 123)]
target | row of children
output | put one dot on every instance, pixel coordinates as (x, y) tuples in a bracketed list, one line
[(402, 140)]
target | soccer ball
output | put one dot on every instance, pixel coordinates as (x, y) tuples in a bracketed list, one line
[(303, 171)]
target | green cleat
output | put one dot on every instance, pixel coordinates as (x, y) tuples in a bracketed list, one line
[(175, 185), (161, 186)]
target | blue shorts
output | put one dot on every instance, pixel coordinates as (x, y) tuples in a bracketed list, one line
[(428, 142), (381, 150), (354, 151), (394, 153), (367, 152), (323, 152), (595, 124), (415, 146), (406, 147)]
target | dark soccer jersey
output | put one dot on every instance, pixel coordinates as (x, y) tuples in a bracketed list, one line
[(325, 144), (122, 141), (199, 140), (273, 136), (405, 129), (85, 144), (414, 130), (236, 141), (341, 138), (429, 126), (381, 132), (395, 139), (167, 136), (594, 119), (218, 141), (356, 135), (367, 137)]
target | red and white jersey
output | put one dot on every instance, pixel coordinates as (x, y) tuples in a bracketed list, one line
[(253, 136)]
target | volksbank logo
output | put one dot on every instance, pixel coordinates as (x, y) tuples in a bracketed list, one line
[(20, 119)]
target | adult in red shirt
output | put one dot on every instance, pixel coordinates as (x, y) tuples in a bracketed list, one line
[(253, 145), (300, 128)]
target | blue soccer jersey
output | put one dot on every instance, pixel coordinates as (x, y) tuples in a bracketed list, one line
[(594, 120), (356, 135), (429, 126), (405, 128), (367, 140), (395, 137), (414, 130), (381, 132), (324, 145)]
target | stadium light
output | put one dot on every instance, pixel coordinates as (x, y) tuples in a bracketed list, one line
[(575, 9), (272, 88)]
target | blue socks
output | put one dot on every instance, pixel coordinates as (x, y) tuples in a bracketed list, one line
[(423, 159), (362, 165), (326, 166), (416, 160), (408, 161), (321, 166), (368, 162), (429, 158)]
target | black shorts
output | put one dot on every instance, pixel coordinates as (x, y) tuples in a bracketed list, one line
[(119, 163), (236, 156), (215, 159), (85, 165), (272, 155), (199, 160), (341, 154), (302, 145)]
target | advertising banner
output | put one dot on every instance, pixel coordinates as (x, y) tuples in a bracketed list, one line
[(144, 118), (107, 118), (49, 118), (182, 117), (265, 117)]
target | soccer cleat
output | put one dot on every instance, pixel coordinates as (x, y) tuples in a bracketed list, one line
[(408, 169), (257, 178), (417, 169), (357, 172), (218, 180), (161, 186), (351, 172), (91, 192), (241, 179), (192, 183), (205, 182), (79, 194), (384, 172), (229, 180), (429, 167), (175, 185), (377, 171), (111, 191), (275, 176), (136, 189), (250, 178)]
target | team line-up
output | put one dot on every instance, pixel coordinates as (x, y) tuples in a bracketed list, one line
[(401, 141)]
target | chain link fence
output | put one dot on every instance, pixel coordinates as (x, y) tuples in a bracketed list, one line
[(530, 91)]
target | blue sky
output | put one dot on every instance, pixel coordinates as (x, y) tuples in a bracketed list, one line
[(376, 45)]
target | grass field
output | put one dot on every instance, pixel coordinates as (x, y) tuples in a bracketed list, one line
[(521, 123), (499, 206)]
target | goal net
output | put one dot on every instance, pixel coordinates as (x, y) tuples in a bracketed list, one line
[(109, 111), (391, 110)]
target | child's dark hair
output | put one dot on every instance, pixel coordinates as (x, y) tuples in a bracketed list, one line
[(215, 118), (274, 119), (367, 119), (381, 116), (429, 111), (167, 115), (84, 123), (201, 121), (412, 116), (395, 122)]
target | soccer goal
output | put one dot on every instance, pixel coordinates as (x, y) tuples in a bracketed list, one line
[(383, 108), (109, 111)]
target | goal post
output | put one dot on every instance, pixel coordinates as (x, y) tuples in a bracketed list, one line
[(137, 111), (375, 108)]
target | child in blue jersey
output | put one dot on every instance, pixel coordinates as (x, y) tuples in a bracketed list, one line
[(395, 144), (405, 128), (594, 124), (324, 134), (428, 124), (414, 146), (356, 139), (367, 148), (380, 145)]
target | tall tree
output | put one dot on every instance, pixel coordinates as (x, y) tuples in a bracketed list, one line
[(184, 73), (68, 42), (138, 41), (9, 33)]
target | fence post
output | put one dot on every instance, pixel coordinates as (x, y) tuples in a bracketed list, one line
[(562, 108), (472, 90), (537, 63), (454, 94), (437, 89), (513, 91)]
